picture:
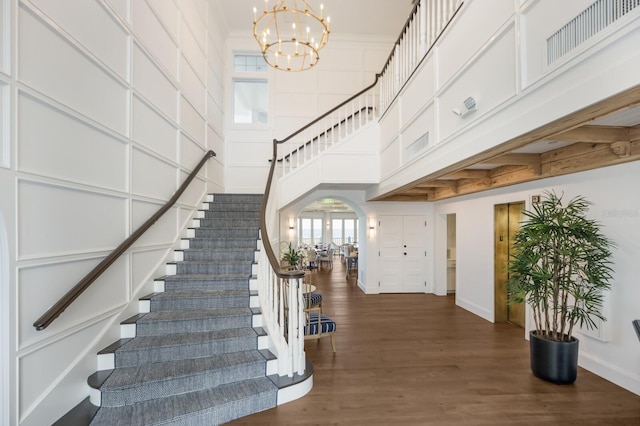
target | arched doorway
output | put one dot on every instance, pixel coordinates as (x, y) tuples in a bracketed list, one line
[(339, 217)]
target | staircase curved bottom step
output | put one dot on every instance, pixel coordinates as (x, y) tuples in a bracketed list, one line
[(211, 406), (288, 389)]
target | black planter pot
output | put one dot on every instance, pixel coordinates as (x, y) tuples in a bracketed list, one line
[(555, 362)]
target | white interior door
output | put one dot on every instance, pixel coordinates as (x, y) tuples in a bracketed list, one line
[(414, 269), (390, 233), (402, 253)]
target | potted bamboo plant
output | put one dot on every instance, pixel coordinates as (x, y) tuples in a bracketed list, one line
[(560, 267)]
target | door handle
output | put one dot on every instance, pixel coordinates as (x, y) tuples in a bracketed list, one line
[(405, 254)]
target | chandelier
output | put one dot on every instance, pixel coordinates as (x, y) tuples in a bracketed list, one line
[(290, 36)]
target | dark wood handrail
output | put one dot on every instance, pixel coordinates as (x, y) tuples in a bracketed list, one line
[(53, 312), (266, 243), (272, 258), (324, 133), (311, 123)]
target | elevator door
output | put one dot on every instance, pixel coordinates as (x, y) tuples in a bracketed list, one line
[(507, 218)]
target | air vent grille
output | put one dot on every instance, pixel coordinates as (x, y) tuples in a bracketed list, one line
[(588, 23), (415, 147)]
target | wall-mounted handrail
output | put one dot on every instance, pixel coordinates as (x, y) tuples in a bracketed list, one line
[(54, 311)]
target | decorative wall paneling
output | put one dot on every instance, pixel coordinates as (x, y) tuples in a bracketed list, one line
[(99, 32), (391, 158), (158, 36), (153, 129), (151, 83), (457, 49), (52, 210), (540, 20), (111, 112), (110, 292), (58, 67), (5, 36), (64, 146), (481, 79), (5, 126), (512, 113)]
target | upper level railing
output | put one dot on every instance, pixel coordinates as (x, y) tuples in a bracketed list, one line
[(426, 23), (281, 290), (54, 311)]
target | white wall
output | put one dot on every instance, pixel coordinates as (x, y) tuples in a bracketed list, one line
[(614, 352), (295, 99), (107, 107), (502, 65)]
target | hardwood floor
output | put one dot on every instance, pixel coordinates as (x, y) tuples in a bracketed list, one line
[(417, 359)]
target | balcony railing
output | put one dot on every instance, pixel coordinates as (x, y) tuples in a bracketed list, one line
[(427, 21), (280, 290)]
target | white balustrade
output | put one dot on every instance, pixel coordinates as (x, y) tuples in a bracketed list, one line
[(281, 298)]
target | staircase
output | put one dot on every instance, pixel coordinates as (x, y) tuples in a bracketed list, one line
[(192, 356)]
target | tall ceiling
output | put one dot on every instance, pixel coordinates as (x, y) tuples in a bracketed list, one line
[(600, 135), (380, 19)]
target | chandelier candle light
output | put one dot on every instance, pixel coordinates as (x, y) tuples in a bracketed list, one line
[(290, 34)]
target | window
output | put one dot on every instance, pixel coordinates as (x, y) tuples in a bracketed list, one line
[(249, 63), (250, 102), (344, 231), (336, 231), (250, 95), (310, 231)]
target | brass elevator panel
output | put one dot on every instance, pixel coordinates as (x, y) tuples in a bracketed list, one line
[(507, 218)]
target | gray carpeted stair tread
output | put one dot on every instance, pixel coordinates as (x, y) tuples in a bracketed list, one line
[(223, 243), (209, 267), (231, 211), (199, 299), (181, 339), (162, 322), (234, 222), (168, 347), (199, 294), (189, 315), (208, 282), (157, 380), (220, 255), (208, 407), (126, 377), (217, 277), (226, 232), (195, 357)]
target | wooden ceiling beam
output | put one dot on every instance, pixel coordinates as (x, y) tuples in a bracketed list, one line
[(594, 134), (531, 160), (438, 184), (468, 174)]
